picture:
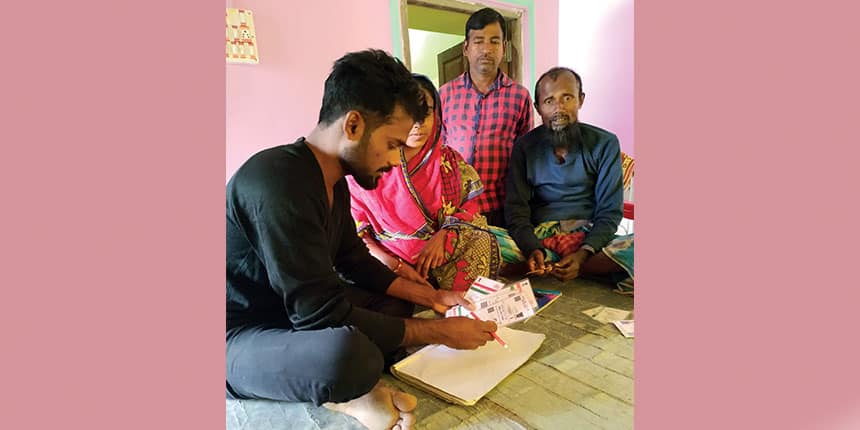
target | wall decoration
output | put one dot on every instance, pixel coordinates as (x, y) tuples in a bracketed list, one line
[(241, 37)]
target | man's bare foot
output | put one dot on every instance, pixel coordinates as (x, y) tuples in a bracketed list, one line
[(382, 408)]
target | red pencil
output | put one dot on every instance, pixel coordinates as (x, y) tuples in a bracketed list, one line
[(498, 339)]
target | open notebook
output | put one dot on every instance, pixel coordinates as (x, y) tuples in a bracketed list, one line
[(464, 376)]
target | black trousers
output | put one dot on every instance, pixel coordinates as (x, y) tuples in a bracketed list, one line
[(329, 365)]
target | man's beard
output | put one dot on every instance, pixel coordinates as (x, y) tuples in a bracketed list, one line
[(352, 160), (563, 137)]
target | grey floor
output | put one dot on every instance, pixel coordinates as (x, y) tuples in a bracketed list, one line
[(581, 377)]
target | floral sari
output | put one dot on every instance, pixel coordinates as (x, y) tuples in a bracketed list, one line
[(434, 190)]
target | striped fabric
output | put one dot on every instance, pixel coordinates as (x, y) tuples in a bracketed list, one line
[(627, 168), (483, 127)]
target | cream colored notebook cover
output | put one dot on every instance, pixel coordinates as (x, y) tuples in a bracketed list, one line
[(465, 376)]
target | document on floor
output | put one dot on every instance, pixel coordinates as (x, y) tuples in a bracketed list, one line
[(625, 326), (464, 376), (606, 314)]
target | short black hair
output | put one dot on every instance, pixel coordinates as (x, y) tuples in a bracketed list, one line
[(370, 82), (483, 18), (553, 73)]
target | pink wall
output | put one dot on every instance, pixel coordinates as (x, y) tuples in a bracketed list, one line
[(546, 37), (278, 100), (597, 42)]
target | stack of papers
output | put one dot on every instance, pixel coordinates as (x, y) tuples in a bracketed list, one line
[(464, 376), (617, 317), (625, 327), (606, 314)]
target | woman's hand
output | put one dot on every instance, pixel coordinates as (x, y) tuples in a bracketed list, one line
[(433, 254)]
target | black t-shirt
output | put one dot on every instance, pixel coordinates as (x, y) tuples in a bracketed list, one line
[(287, 252)]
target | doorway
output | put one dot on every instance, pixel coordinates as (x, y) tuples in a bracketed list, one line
[(432, 38)]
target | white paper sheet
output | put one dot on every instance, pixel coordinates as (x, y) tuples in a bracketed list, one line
[(606, 314), (470, 374), (625, 327)]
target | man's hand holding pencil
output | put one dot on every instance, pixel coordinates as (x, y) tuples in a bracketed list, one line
[(495, 336), (466, 333), (461, 332)]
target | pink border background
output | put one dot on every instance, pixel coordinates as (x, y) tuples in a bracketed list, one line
[(112, 178), (113, 215), (746, 198)]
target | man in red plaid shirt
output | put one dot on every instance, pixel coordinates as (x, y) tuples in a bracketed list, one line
[(484, 110)]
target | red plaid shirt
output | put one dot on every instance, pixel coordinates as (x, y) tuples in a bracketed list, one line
[(482, 128)]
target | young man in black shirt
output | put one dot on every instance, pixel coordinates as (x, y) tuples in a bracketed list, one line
[(311, 315)]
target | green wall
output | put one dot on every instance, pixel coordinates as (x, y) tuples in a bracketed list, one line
[(443, 21), (424, 46)]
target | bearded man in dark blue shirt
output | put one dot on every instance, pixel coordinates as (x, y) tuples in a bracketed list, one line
[(564, 194)]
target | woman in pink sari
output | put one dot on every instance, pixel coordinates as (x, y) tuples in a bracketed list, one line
[(422, 219)]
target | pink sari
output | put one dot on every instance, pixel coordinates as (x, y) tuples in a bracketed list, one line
[(417, 199)]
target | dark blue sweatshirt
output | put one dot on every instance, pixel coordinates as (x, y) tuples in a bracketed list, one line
[(586, 186)]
